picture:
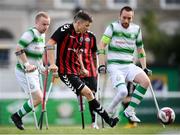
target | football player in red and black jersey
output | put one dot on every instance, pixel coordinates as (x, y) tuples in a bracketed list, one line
[(69, 39)]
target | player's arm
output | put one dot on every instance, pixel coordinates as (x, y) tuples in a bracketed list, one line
[(84, 71), (94, 50), (141, 53), (105, 40), (24, 41), (102, 57), (142, 60), (20, 53), (142, 57), (57, 37), (50, 48), (102, 52)]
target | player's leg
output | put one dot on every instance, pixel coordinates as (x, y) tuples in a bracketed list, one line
[(138, 76), (95, 105), (92, 113), (120, 95), (126, 101), (118, 81), (79, 87), (27, 106), (91, 82)]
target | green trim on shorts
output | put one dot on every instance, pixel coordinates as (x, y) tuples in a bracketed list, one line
[(112, 61), (119, 84)]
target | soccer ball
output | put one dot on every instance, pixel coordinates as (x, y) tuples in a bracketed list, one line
[(166, 115)]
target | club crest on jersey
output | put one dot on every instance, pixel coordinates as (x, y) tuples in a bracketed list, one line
[(80, 39), (87, 39), (31, 86)]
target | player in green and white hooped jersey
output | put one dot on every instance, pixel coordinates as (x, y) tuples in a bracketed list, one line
[(122, 38), (30, 50)]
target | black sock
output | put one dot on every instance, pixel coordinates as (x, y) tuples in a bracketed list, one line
[(94, 104), (91, 110)]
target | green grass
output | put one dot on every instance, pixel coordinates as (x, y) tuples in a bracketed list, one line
[(141, 129)]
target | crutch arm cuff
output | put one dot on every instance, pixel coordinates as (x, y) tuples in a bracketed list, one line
[(49, 47)]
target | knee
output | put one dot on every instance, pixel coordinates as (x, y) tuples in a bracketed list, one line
[(122, 91), (37, 99), (145, 83), (87, 93)]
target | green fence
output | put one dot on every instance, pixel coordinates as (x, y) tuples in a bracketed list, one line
[(64, 111)]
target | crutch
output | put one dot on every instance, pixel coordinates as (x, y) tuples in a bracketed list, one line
[(81, 109), (30, 95), (44, 95), (51, 84), (31, 100), (47, 96), (155, 100), (98, 93)]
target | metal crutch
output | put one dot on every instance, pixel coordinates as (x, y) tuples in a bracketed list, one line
[(44, 94), (98, 93), (155, 101)]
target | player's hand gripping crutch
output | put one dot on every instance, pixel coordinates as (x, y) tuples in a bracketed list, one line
[(149, 73), (81, 109), (44, 94)]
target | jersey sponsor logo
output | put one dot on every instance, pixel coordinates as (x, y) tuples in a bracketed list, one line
[(87, 39), (119, 42), (73, 49)]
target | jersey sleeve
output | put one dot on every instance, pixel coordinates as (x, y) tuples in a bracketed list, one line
[(94, 49), (139, 42), (26, 39), (107, 36), (60, 33)]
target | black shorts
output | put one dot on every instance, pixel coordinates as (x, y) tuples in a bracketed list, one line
[(73, 82), (91, 82)]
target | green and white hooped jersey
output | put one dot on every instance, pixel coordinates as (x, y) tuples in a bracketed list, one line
[(122, 42), (33, 43)]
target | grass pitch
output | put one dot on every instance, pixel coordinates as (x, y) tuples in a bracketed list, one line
[(141, 129)]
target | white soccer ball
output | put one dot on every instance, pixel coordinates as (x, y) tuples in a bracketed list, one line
[(166, 115)]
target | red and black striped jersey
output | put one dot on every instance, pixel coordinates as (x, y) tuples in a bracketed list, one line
[(89, 53), (69, 44)]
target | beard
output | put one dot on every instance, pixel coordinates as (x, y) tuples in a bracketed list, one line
[(125, 25)]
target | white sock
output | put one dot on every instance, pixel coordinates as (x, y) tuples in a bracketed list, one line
[(121, 94)]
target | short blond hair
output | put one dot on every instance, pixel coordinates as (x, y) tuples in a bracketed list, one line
[(41, 14)]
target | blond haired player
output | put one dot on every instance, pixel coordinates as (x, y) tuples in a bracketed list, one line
[(29, 51)]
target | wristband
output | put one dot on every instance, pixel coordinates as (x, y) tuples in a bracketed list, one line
[(141, 55), (101, 51)]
